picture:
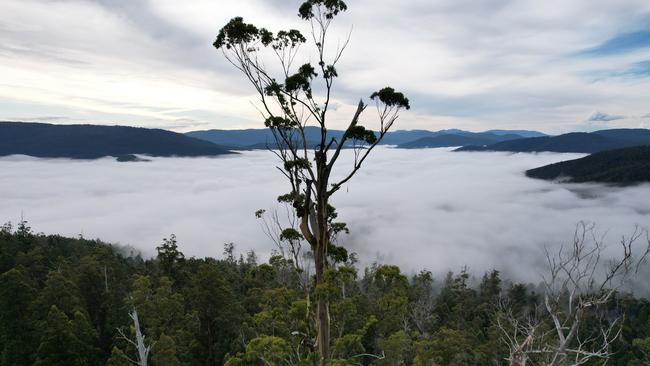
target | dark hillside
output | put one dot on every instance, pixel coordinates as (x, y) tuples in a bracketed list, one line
[(92, 141), (622, 166), (575, 142)]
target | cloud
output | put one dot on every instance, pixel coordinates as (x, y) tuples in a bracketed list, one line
[(430, 209), (493, 64), (604, 117)]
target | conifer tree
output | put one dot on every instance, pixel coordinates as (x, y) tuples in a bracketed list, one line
[(59, 344), (16, 295), (118, 358), (164, 352)]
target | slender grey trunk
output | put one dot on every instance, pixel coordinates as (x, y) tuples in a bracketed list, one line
[(143, 350)]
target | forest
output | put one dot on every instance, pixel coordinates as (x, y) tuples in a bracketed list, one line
[(72, 301)]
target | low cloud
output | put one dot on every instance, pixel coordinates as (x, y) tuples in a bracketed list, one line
[(604, 117), (430, 209)]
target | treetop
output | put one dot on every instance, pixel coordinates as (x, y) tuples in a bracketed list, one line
[(332, 8), (391, 98)]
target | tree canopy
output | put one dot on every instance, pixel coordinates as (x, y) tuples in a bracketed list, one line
[(237, 311)]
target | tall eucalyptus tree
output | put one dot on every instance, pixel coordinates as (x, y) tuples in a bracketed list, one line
[(289, 104)]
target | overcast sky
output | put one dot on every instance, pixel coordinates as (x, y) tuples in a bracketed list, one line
[(549, 65)]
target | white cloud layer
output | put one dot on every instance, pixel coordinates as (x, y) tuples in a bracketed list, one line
[(430, 209), (465, 64)]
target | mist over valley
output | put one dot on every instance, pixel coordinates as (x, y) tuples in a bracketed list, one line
[(431, 209)]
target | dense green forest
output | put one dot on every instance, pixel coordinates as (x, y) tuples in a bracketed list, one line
[(622, 166), (66, 301)]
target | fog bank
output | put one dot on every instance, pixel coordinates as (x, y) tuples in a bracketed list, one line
[(430, 208)]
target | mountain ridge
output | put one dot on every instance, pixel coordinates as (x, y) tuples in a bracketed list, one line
[(86, 141), (450, 140), (573, 142), (260, 138), (621, 166)]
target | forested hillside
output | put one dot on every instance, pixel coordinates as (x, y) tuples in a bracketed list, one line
[(64, 299), (574, 142), (621, 166), (93, 141)]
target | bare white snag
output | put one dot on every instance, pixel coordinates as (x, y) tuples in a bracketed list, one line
[(578, 283), (139, 343)]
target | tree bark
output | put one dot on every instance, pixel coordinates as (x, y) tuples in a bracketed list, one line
[(322, 238), (323, 317)]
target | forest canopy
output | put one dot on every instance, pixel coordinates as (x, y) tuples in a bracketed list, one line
[(64, 299)]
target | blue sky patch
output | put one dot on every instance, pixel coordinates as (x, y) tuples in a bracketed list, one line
[(622, 43), (639, 69)]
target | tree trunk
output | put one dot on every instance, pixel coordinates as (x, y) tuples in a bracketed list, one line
[(322, 237), (143, 349), (323, 317)]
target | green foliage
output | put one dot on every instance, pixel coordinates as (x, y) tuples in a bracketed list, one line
[(348, 346), (279, 123), (643, 345), (446, 347), (66, 342), (301, 80), (169, 257), (266, 350), (360, 133), (238, 32), (288, 39), (397, 349), (118, 358), (300, 163), (164, 352), (16, 333), (423, 354), (61, 292), (337, 254), (218, 311), (330, 72), (329, 8), (391, 98), (627, 166), (290, 234), (61, 300)]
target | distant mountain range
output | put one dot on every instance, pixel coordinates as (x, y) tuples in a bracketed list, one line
[(622, 166), (575, 142), (253, 139), (263, 138), (464, 139), (94, 141), (522, 133), (91, 141)]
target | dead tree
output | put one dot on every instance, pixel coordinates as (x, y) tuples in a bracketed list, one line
[(289, 106), (578, 283), (284, 233), (139, 344)]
